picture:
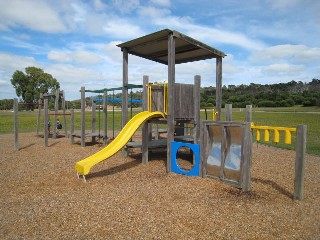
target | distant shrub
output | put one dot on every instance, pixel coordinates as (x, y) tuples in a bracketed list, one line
[(267, 103)]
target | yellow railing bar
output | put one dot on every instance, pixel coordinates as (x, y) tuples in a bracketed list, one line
[(276, 130)]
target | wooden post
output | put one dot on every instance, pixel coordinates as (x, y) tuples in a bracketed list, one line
[(249, 113), (218, 87), (83, 117), (56, 106), (39, 113), (171, 91), (45, 123), (196, 93), (16, 123), (246, 158), (105, 117), (228, 108), (125, 88), (64, 114), (300, 161), (145, 128), (93, 120), (72, 126)]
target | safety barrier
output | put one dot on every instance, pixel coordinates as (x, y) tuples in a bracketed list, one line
[(276, 133)]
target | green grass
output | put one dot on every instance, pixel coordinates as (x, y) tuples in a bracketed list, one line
[(283, 117)]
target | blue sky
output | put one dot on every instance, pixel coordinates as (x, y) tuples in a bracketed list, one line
[(266, 41)]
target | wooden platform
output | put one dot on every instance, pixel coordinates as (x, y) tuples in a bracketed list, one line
[(160, 143), (87, 134)]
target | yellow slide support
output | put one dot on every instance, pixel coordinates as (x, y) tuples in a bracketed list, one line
[(83, 167)]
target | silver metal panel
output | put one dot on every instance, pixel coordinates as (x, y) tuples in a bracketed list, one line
[(225, 155)]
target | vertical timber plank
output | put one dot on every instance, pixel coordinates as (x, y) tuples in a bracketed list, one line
[(16, 123), (64, 114), (125, 87), (145, 128), (72, 126), (300, 162), (248, 113), (45, 122), (171, 91), (105, 117), (218, 87), (196, 108), (56, 106), (39, 113), (93, 121), (246, 158), (83, 117), (228, 112)]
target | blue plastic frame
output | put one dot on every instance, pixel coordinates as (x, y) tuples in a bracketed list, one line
[(195, 171)]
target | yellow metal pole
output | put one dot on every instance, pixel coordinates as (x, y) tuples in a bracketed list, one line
[(276, 137)]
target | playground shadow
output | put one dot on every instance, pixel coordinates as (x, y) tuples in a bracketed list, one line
[(27, 146), (53, 144), (274, 186), (114, 170)]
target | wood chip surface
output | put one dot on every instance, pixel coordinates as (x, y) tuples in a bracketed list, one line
[(41, 197)]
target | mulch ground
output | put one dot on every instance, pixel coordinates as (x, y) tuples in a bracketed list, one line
[(41, 197)]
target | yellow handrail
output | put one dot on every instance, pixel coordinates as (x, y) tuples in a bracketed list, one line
[(276, 136)]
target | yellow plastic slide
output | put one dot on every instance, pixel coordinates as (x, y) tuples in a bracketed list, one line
[(83, 167)]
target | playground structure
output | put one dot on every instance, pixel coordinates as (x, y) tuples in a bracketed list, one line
[(225, 146), (43, 103), (82, 134)]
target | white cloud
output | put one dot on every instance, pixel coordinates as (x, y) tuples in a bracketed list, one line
[(59, 56), (77, 57), (9, 63), (36, 15), (99, 5), (294, 53), (113, 53), (86, 57), (122, 29), (153, 12), (164, 3), (126, 6), (283, 69), (279, 4), (209, 34)]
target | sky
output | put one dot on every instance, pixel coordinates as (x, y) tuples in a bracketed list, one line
[(266, 41)]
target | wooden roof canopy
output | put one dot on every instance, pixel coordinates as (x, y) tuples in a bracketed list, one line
[(154, 47)]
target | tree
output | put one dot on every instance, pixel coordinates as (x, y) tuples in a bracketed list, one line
[(29, 85)]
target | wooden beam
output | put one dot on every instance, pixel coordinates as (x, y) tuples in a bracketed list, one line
[(45, 123), (16, 123), (218, 87), (83, 117), (124, 88), (72, 126), (196, 96), (105, 117), (171, 91), (56, 106), (228, 108), (301, 145), (145, 128), (249, 113)]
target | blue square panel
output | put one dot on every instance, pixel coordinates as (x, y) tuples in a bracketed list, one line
[(195, 171)]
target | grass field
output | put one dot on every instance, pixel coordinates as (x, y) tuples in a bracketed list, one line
[(284, 117)]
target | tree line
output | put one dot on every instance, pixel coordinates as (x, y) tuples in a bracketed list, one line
[(34, 81), (267, 95)]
